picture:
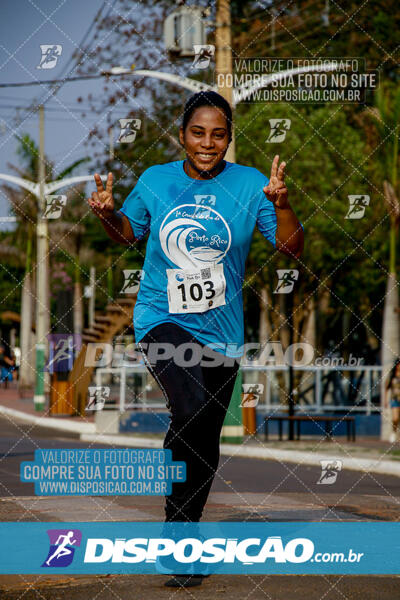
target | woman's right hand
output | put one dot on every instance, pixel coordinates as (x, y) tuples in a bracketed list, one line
[(102, 201)]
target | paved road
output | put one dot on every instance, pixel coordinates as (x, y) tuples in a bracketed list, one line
[(18, 442), (244, 489), (232, 587)]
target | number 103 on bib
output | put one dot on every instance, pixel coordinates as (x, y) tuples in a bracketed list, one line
[(196, 290)]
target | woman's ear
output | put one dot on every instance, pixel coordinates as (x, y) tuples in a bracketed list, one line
[(181, 136)]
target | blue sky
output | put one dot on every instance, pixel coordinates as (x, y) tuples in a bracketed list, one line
[(24, 26)]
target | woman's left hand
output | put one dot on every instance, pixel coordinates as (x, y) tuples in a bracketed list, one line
[(276, 190)]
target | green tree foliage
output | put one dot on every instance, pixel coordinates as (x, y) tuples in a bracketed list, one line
[(370, 30), (325, 157)]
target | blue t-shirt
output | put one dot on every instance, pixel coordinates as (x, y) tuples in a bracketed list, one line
[(194, 223)]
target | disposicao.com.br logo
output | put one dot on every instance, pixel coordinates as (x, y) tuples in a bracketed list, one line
[(210, 551), (62, 547), (231, 548)]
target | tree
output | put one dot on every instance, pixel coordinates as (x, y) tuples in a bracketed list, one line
[(325, 164), (304, 28), (386, 117), (24, 206)]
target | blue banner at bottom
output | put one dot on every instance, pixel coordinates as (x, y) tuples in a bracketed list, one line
[(355, 548)]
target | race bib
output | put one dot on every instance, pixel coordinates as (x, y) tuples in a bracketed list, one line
[(196, 290)]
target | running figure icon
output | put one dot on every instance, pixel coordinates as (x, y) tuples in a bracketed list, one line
[(279, 129), (50, 55), (286, 280), (62, 549)]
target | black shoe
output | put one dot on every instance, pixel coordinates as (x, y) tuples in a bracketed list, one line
[(179, 581)]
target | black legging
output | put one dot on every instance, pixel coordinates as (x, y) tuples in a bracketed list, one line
[(198, 398)]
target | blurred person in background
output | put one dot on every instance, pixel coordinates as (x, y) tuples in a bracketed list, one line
[(393, 390), (7, 365)]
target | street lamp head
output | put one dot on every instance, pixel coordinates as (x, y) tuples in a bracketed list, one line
[(117, 71)]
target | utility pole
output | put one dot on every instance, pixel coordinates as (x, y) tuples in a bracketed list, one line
[(111, 141), (223, 60), (42, 275)]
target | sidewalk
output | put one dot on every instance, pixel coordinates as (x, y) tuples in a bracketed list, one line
[(13, 406), (366, 454)]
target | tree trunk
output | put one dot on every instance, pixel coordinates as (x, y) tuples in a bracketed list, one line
[(389, 348), (264, 322), (264, 334), (78, 308), (284, 332), (309, 336)]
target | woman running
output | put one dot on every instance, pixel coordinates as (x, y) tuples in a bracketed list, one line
[(200, 214)]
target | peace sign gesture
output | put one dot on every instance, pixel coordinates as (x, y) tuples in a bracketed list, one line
[(102, 201), (276, 191)]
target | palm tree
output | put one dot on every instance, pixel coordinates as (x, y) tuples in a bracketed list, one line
[(67, 234), (24, 206)]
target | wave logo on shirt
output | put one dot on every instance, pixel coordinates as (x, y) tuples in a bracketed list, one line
[(192, 235)]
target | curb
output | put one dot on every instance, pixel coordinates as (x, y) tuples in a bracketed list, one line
[(300, 457), (50, 422), (87, 433), (373, 465)]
